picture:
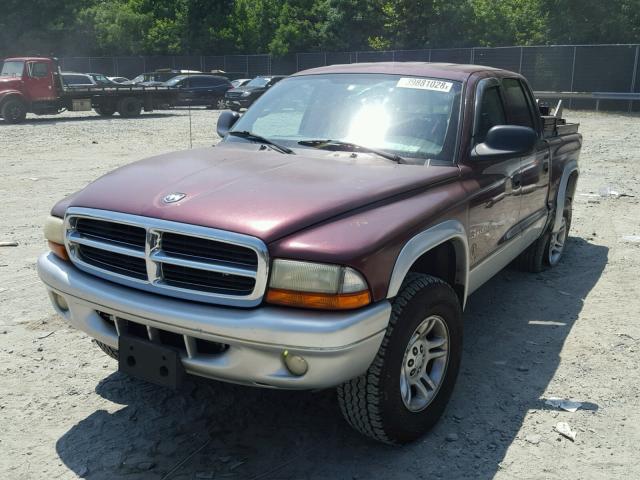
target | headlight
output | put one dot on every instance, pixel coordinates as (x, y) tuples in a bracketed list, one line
[(246, 93), (316, 285), (54, 233)]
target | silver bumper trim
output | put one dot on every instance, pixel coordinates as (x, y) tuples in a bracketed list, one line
[(338, 346)]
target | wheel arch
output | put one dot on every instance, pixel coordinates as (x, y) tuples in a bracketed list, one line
[(441, 250), (12, 94), (566, 188)]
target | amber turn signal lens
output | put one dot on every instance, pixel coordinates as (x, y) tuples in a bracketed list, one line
[(58, 250), (323, 301)]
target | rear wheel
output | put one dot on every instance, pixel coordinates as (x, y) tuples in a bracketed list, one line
[(408, 385), (14, 111), (105, 110), (129, 107), (546, 252), (221, 104)]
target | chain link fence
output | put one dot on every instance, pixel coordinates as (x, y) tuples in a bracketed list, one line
[(565, 68)]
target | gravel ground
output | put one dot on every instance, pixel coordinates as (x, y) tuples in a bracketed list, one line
[(571, 333)]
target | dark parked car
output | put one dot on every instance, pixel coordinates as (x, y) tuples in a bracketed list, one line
[(243, 97), (205, 90)]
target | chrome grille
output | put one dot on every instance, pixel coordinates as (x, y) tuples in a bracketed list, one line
[(176, 259)]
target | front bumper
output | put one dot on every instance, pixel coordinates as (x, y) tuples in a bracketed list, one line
[(337, 346), (239, 102)]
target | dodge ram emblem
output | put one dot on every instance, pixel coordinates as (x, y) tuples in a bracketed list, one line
[(173, 197)]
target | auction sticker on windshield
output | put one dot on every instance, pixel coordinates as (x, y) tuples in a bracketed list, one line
[(424, 84)]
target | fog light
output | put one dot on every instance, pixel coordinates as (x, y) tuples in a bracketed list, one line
[(295, 363), (60, 302)]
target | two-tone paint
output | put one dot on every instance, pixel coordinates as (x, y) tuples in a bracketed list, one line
[(374, 218)]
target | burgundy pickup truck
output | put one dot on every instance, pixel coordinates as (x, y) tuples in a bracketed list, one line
[(330, 240)]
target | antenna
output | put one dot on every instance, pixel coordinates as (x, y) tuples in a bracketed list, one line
[(189, 109)]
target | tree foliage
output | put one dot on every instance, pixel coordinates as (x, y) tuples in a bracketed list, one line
[(135, 27)]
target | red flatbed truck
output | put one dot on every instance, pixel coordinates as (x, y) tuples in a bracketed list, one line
[(34, 85)]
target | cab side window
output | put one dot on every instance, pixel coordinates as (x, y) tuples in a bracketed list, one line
[(517, 104), (38, 70), (491, 113)]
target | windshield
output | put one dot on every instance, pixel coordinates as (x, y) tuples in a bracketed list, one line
[(101, 79), (174, 80), (12, 69), (408, 116), (258, 82)]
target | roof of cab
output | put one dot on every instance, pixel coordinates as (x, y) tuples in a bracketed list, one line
[(449, 71), (27, 59)]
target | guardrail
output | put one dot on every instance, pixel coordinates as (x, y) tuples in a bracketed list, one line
[(597, 96)]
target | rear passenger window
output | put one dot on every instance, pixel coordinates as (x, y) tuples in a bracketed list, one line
[(517, 105), (491, 113)]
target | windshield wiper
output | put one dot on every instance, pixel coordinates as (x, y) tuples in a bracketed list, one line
[(353, 146), (257, 138)]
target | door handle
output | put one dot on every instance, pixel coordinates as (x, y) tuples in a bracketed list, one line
[(516, 181)]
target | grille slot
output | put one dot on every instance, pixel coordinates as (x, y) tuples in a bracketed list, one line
[(122, 233), (166, 337), (180, 260), (214, 282), (113, 262), (202, 249)]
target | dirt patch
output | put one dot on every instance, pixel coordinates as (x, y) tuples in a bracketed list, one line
[(569, 333)]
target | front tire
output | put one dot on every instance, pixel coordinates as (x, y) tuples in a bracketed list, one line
[(406, 389), (14, 111), (112, 352)]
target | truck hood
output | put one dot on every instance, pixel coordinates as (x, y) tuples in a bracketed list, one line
[(261, 193), (7, 83)]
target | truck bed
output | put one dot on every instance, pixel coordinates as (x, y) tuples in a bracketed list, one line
[(554, 126), (116, 91)]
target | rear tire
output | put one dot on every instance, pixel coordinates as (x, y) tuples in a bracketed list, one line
[(112, 352), (406, 389), (129, 107), (14, 111), (546, 252)]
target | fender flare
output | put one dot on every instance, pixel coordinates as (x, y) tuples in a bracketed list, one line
[(7, 94), (427, 240), (569, 168)]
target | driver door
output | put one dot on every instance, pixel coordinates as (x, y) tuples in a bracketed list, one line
[(493, 184), (39, 81)]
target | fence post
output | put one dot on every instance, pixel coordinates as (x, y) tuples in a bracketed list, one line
[(573, 71), (429, 60), (115, 66), (202, 63), (633, 77), (473, 55), (521, 55)]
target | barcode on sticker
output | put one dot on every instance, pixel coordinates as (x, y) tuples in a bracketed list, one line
[(424, 84)]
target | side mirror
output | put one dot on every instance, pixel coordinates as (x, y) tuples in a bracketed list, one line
[(506, 141), (226, 120)]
